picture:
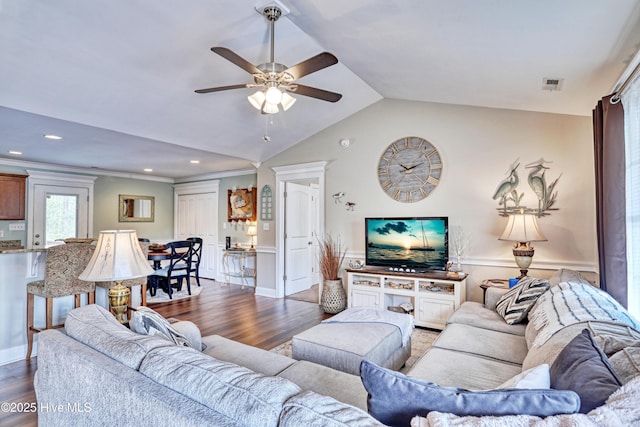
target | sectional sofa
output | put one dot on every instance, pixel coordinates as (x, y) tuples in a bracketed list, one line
[(100, 373)]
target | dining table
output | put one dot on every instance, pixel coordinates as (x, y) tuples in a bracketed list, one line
[(157, 257)]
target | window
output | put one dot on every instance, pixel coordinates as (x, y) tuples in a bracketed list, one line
[(631, 103)]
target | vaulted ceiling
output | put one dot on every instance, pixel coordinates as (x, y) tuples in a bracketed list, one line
[(116, 79)]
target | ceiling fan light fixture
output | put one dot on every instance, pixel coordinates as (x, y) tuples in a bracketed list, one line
[(270, 108), (257, 99), (287, 101), (273, 96)]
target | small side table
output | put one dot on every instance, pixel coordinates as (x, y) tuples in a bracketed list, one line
[(235, 263), (493, 283)]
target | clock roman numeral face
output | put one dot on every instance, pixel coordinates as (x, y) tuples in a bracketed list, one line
[(409, 169)]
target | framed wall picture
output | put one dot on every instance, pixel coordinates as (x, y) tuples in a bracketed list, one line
[(242, 204)]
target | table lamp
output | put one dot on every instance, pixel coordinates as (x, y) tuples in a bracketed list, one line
[(117, 257), (252, 231), (523, 228)]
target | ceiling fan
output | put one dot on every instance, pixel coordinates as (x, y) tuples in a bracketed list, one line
[(274, 81)]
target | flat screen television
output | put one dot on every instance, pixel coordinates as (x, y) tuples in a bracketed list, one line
[(420, 243)]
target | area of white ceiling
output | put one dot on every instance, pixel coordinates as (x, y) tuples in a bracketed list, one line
[(118, 78)]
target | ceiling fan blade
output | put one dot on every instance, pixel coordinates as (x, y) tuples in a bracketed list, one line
[(311, 65), (230, 55), (219, 88), (314, 92)]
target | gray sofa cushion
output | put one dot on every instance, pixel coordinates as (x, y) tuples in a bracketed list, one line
[(548, 351), (341, 386), (235, 391), (456, 369), (475, 314), (96, 327), (256, 359), (584, 368), (626, 363), (567, 275), (483, 342), (394, 398), (613, 337), (310, 409)]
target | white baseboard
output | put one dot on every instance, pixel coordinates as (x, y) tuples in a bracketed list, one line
[(266, 292), (15, 354)]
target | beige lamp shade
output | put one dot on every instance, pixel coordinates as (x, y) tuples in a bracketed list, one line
[(117, 257), (522, 228), (252, 230)]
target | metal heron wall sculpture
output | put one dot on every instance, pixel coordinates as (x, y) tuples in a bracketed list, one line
[(507, 192)]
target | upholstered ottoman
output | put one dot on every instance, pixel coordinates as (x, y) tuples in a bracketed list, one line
[(342, 345)]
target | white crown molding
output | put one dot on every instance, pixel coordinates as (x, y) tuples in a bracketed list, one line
[(93, 171), (215, 175)]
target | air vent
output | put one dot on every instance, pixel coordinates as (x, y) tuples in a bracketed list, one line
[(551, 83)]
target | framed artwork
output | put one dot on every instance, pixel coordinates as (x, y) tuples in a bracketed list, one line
[(242, 204)]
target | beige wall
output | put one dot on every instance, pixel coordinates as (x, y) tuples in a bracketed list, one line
[(236, 230), (477, 146), (105, 209)]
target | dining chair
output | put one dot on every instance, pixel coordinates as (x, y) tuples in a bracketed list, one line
[(178, 268), (63, 265), (196, 254)]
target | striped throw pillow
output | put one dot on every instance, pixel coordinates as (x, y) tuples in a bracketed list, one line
[(516, 303)]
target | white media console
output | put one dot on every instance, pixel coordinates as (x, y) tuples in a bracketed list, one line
[(434, 295)]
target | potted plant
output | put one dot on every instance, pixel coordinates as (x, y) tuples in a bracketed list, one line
[(331, 256)]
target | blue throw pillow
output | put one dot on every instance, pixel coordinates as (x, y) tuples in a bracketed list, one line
[(395, 398), (584, 368)]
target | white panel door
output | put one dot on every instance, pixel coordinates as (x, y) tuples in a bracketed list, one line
[(198, 217), (298, 238), (59, 212)]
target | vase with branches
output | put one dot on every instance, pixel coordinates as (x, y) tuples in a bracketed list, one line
[(330, 258), (459, 245)]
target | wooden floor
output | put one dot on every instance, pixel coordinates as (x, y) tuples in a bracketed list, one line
[(220, 309)]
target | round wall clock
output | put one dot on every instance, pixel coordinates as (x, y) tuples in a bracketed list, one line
[(409, 169)]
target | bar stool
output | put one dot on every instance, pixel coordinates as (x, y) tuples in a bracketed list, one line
[(63, 265)]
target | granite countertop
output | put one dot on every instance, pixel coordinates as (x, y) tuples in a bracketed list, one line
[(15, 247)]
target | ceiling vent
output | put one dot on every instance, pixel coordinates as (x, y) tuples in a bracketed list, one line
[(551, 84)]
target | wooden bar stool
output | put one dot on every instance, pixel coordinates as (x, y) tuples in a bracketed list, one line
[(63, 265)]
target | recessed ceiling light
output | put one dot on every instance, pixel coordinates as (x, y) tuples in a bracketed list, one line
[(148, 170), (195, 161), (50, 136), (19, 153)]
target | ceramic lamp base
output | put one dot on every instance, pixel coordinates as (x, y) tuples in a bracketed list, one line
[(118, 300)]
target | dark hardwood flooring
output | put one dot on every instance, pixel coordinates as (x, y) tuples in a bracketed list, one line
[(220, 309)]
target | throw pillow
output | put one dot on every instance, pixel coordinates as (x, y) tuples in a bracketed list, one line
[(516, 303), (146, 321), (394, 398), (536, 377), (626, 363), (584, 368)]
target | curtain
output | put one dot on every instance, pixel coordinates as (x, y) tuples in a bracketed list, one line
[(631, 102), (609, 156)]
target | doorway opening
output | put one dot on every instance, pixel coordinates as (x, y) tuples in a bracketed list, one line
[(300, 192)]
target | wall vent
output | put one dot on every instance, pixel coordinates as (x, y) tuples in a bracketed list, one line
[(552, 83)]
